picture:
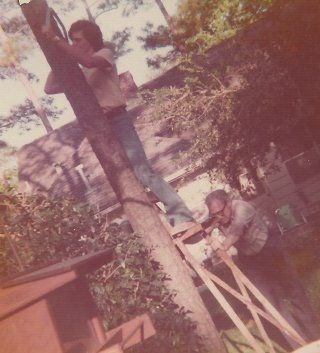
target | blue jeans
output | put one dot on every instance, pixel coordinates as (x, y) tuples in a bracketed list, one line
[(124, 130)]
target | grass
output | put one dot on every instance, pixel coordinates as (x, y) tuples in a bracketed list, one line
[(236, 343)]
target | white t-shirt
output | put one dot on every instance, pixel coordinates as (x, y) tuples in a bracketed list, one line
[(105, 82), (247, 223)]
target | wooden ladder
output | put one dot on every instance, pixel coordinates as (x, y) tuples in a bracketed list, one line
[(270, 313)]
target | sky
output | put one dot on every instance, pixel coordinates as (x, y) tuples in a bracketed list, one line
[(12, 91)]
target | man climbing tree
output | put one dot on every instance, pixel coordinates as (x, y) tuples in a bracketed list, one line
[(100, 72)]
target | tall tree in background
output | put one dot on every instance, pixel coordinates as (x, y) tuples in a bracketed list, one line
[(16, 46), (96, 8), (88, 11), (11, 61), (198, 25)]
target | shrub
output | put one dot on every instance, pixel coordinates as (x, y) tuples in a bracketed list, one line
[(42, 230)]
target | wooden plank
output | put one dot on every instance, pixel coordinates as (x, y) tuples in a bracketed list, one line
[(255, 316), (14, 298), (240, 297), (29, 331), (191, 231), (256, 292), (11, 277), (205, 275), (114, 349), (80, 264), (221, 300), (313, 347), (130, 333)]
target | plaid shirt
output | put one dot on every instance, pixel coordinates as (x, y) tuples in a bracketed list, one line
[(248, 224)]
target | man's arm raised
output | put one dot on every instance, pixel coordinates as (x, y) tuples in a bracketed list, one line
[(83, 59)]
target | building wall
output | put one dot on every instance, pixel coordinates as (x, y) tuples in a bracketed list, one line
[(285, 185), (58, 163), (63, 163)]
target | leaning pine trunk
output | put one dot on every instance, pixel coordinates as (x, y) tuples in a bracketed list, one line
[(130, 193)]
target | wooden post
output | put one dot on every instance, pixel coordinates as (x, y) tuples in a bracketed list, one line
[(221, 299), (255, 291), (254, 314), (249, 304)]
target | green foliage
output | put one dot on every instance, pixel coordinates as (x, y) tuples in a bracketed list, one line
[(8, 164), (44, 230), (16, 45), (249, 91), (119, 41), (200, 24), (232, 111), (22, 115), (15, 42), (133, 285)]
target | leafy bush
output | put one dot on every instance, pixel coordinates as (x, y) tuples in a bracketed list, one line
[(230, 113), (43, 230), (259, 87), (135, 286), (200, 24)]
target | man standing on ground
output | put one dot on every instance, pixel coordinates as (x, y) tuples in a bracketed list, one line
[(99, 69), (263, 260)]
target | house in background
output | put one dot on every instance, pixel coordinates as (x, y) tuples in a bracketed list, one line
[(62, 163), (293, 178)]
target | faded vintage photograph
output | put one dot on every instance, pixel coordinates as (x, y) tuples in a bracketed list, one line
[(159, 176)]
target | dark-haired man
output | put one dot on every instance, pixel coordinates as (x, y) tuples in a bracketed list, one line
[(263, 259), (100, 71)]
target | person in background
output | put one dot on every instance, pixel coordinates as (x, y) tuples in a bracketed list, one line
[(263, 259), (99, 68)]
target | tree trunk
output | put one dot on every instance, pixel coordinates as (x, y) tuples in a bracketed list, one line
[(24, 80), (130, 193), (89, 13), (168, 19), (164, 12)]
